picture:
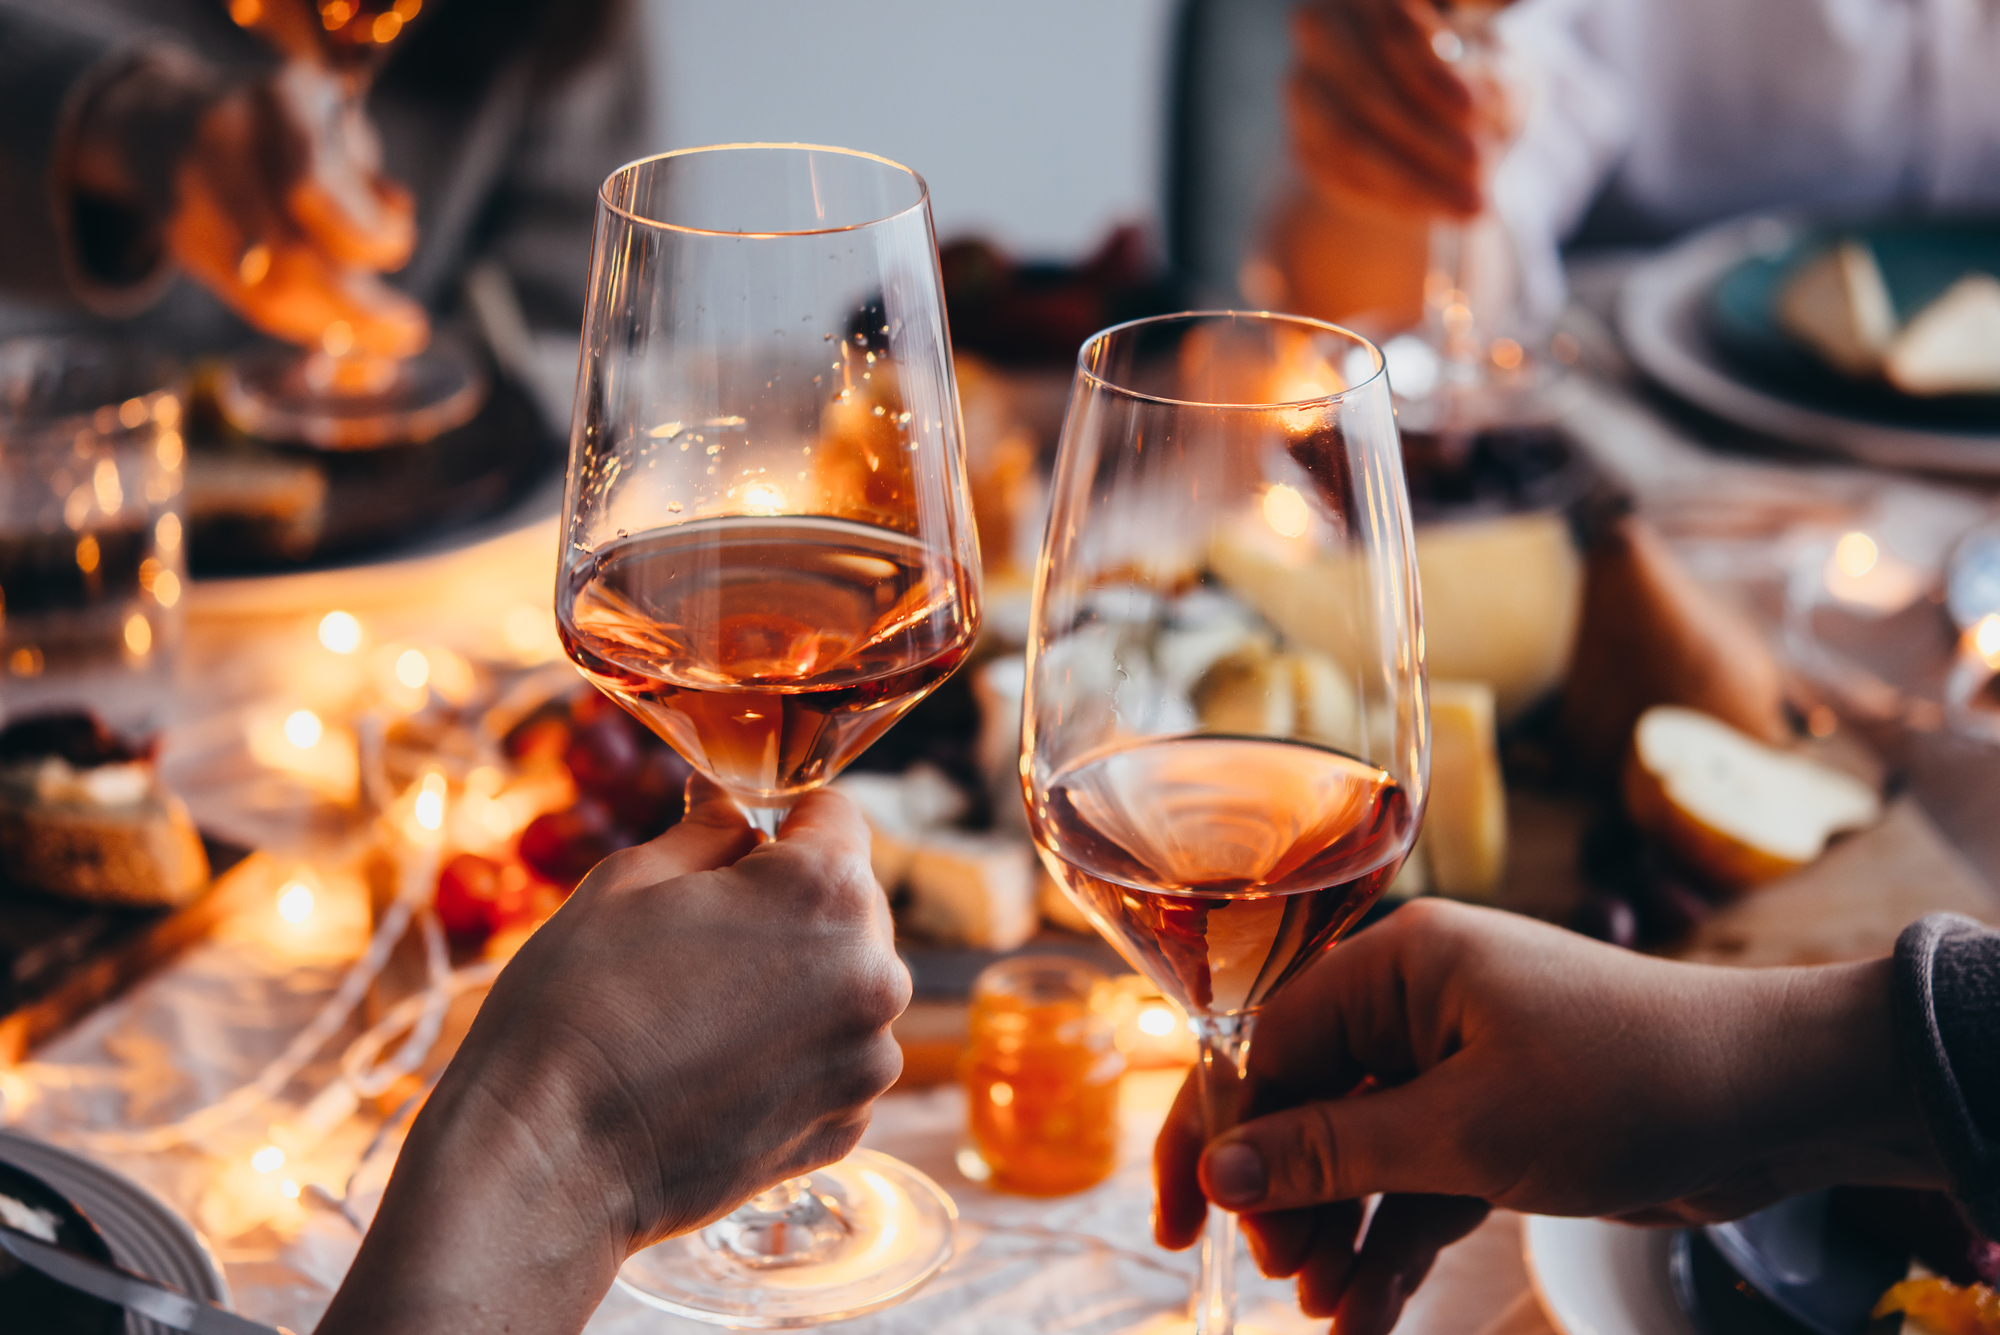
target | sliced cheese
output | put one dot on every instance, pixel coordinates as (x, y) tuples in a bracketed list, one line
[(981, 891), (1464, 838), (1500, 599), (1838, 305), (1952, 346)]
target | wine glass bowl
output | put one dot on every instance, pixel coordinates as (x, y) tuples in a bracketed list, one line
[(768, 557), (768, 552), (1225, 738)]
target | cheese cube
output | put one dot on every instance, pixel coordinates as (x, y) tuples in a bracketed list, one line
[(1464, 839)]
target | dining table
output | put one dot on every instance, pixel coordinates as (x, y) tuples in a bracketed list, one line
[(130, 1083)]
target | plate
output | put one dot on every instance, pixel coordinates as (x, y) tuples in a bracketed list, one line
[(1598, 1278), (144, 1236), (1811, 1266), (1695, 318), (34, 1300)]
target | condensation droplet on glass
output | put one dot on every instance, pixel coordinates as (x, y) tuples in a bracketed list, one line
[(880, 411), (902, 419)]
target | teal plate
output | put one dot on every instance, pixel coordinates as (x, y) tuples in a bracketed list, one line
[(1919, 259)]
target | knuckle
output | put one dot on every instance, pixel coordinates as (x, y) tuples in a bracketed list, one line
[(1314, 1158)]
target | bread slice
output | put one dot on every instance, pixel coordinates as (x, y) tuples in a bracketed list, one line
[(110, 834)]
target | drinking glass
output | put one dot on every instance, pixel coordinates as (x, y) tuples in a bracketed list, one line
[(768, 557), (92, 559), (1225, 736), (333, 396)]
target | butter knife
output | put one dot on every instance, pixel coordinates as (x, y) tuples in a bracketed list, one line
[(85, 1274)]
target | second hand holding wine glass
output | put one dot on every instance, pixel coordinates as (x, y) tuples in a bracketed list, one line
[(769, 557), (1225, 739)]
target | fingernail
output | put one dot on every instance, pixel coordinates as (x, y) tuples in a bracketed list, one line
[(1236, 1175)]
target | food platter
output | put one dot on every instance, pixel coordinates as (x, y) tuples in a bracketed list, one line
[(1695, 318)]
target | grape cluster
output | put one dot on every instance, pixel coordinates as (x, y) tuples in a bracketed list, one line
[(630, 787)]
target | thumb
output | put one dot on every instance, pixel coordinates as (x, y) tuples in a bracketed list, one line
[(1337, 1150)]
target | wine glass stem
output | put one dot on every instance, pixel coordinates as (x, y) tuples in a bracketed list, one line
[(1225, 1056), (764, 819)]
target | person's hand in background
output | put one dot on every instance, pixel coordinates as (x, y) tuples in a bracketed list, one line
[(277, 202), (704, 1018), (1381, 120), (1456, 1058)]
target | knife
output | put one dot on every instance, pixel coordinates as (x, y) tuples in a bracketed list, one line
[(88, 1275)]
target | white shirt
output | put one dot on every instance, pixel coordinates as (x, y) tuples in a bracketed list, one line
[(1696, 110)]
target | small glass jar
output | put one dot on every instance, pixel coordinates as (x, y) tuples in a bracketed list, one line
[(1041, 1072)]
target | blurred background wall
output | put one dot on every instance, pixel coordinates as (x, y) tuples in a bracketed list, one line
[(1038, 123)]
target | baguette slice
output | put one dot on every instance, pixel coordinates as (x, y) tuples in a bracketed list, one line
[(109, 834)]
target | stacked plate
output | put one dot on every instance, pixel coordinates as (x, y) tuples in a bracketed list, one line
[(102, 1214)]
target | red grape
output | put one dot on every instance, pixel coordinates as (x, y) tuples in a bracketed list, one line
[(477, 897), (562, 846)]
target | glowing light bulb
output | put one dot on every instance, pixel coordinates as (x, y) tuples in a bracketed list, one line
[(1001, 1093), (303, 729), (268, 1160), (138, 635), (340, 632), (413, 669), (1855, 555), (1157, 1021), (289, 1189), (1986, 639), (429, 807), (295, 901), (1285, 511)]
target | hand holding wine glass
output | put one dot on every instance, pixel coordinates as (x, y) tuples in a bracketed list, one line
[(1225, 738), (768, 558)]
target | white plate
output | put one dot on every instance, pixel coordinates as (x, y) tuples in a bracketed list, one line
[(529, 526), (145, 1236), (1599, 1278), (1660, 315)]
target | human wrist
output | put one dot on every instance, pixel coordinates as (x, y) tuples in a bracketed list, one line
[(492, 1212), (1829, 1102)]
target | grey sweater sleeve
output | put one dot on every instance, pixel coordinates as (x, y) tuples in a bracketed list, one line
[(1948, 1036)]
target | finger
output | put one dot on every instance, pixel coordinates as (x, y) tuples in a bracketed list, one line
[(1363, 146), (1179, 1207), (712, 834), (354, 222), (1404, 1238), (1282, 1241), (1379, 49), (1342, 1149)]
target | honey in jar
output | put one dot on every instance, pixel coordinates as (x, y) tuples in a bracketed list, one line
[(1041, 1073)]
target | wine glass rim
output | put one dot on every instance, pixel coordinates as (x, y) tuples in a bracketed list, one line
[(604, 191), (1269, 317)]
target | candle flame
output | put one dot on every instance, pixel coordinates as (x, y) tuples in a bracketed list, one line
[(295, 901), (340, 632)]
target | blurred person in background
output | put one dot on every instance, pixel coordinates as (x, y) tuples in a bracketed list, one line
[(1631, 121), (163, 167)]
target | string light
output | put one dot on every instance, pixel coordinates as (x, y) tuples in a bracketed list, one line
[(340, 632), (429, 806), (295, 902), (1157, 1021), (1285, 511), (303, 729), (1855, 555), (413, 669), (268, 1160), (1986, 639)]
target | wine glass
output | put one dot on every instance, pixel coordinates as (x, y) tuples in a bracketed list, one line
[(1225, 737), (768, 557), (335, 396)]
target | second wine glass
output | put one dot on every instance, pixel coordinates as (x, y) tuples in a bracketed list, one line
[(768, 557), (1225, 735)]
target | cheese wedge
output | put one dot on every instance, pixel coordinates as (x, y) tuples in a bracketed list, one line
[(1838, 306), (1952, 346), (1464, 839), (1731, 807), (975, 890)]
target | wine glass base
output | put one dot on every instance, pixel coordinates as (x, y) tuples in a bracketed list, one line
[(902, 1234), (283, 394)]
